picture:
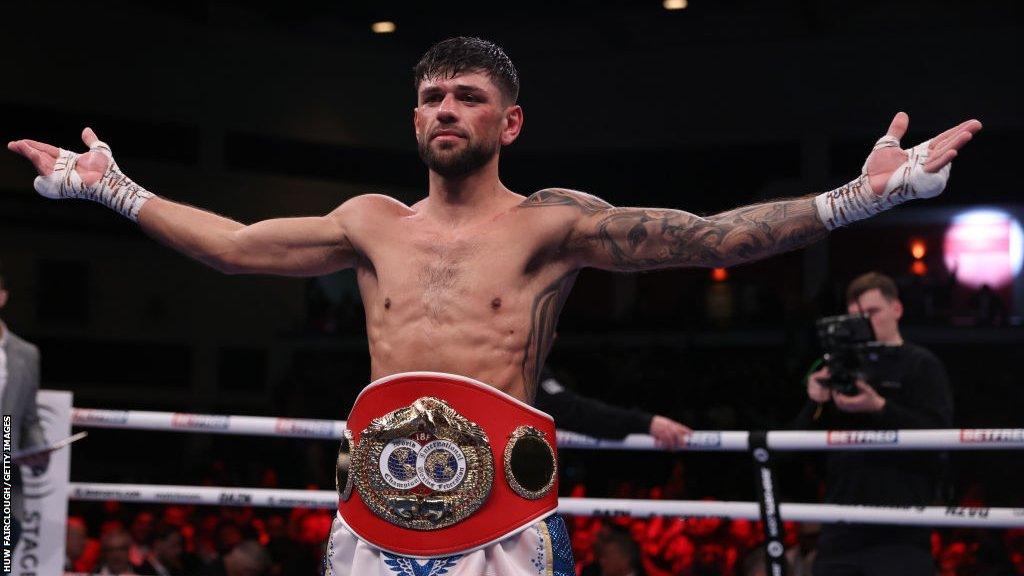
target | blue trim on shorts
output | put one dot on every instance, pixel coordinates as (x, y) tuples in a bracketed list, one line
[(562, 563), (403, 566)]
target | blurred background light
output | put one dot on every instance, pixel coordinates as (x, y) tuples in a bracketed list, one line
[(984, 246)]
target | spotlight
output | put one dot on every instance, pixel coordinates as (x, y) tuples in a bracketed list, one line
[(674, 4), (383, 27), (918, 248)]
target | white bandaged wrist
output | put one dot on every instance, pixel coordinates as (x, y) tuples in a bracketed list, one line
[(856, 200), (113, 189)]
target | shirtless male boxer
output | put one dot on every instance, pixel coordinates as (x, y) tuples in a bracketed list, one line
[(451, 465)]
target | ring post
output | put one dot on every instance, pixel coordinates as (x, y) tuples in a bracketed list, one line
[(764, 481)]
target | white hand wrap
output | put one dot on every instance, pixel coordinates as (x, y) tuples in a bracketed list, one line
[(857, 201), (113, 189)]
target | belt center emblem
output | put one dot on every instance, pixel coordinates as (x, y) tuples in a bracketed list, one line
[(424, 466)]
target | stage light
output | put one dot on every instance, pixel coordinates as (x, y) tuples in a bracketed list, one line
[(918, 268), (383, 27), (675, 4), (719, 274), (918, 248), (984, 246)]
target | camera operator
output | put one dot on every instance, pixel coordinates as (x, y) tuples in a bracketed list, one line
[(899, 385)]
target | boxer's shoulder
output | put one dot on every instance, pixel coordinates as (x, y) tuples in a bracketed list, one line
[(375, 205), (556, 214), (370, 209), (570, 200)]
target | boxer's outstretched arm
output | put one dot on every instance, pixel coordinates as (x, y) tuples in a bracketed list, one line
[(287, 246), (633, 239), (310, 246), (629, 239)]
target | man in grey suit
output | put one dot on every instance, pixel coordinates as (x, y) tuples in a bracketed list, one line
[(19, 382)]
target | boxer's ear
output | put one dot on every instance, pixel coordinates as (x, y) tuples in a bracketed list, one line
[(513, 124), (417, 121)]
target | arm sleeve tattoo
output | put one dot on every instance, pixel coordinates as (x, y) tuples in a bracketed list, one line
[(634, 239)]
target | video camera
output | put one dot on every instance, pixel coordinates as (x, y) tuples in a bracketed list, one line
[(849, 345)]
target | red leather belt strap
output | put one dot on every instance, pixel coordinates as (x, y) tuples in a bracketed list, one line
[(504, 511)]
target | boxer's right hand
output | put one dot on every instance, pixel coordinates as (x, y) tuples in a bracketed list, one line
[(92, 176), (815, 390), (48, 159)]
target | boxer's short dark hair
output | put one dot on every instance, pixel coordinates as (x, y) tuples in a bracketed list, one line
[(451, 57), (872, 281)]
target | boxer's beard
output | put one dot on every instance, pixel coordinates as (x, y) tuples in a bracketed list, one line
[(454, 164)]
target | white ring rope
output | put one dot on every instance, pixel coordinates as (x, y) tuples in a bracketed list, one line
[(328, 499), (714, 441)]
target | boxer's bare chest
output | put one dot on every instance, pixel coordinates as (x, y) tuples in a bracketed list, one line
[(479, 300), (479, 269)]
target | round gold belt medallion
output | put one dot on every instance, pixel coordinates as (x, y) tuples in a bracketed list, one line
[(424, 466)]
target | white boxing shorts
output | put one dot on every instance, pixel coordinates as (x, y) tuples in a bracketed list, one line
[(542, 549)]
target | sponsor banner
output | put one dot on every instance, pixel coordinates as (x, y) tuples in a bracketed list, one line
[(567, 439), (94, 417), (235, 498), (305, 428), (115, 494), (200, 421), (992, 436), (179, 497), (962, 512), (41, 549), (862, 437), (302, 502), (704, 439), (612, 512)]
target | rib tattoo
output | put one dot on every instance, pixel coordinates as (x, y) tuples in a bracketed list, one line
[(547, 305)]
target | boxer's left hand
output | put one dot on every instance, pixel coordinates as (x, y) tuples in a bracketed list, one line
[(867, 400), (668, 433), (887, 155)]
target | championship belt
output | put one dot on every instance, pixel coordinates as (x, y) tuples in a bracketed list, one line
[(436, 464)]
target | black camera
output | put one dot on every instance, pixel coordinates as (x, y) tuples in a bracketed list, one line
[(849, 345)]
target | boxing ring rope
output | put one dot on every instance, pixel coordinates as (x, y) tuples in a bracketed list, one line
[(722, 441), (715, 441), (328, 499)]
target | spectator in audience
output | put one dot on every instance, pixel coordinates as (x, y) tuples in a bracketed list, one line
[(288, 555), (755, 563), (1015, 548), (618, 555), (114, 548), (80, 551), (801, 557), (247, 559), (141, 531), (166, 555)]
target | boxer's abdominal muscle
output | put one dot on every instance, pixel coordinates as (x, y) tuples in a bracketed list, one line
[(477, 303)]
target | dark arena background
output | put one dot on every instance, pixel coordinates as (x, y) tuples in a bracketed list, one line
[(258, 110)]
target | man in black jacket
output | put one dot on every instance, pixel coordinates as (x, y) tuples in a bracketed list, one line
[(905, 387), (595, 418)]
